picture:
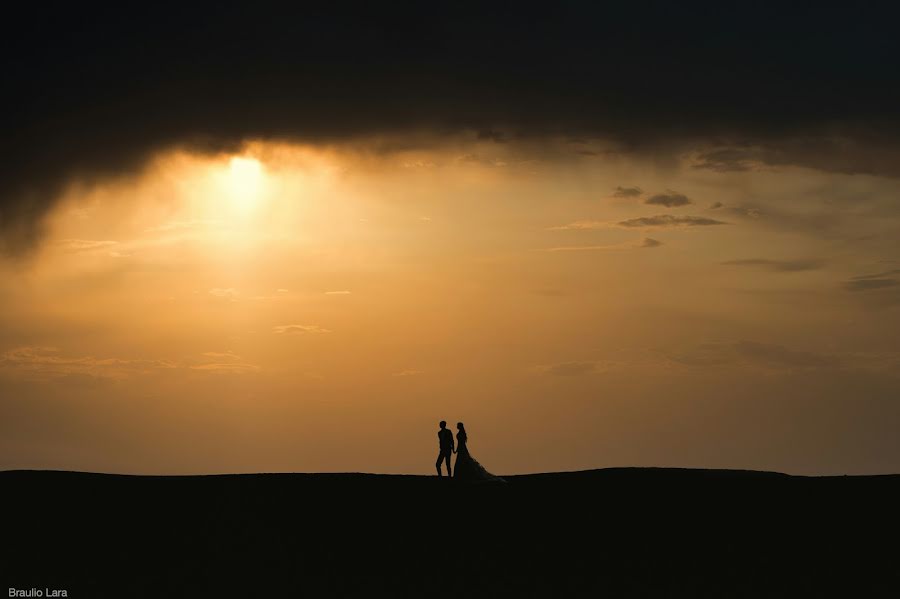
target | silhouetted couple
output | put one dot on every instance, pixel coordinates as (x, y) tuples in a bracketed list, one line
[(467, 467)]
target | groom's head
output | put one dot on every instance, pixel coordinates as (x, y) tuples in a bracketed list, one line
[(443, 424)]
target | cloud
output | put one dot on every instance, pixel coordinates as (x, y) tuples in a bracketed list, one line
[(657, 221), (779, 359), (669, 220), (628, 245), (492, 135), (669, 199), (582, 225), (571, 368), (226, 367), (482, 161), (298, 329), (778, 265), (768, 356), (337, 293), (87, 106), (882, 280), (716, 205), (404, 373), (725, 160), (221, 355), (627, 192), (182, 225), (223, 363), (50, 363), (225, 292), (84, 245)]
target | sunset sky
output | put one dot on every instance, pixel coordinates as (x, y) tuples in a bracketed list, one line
[(598, 241)]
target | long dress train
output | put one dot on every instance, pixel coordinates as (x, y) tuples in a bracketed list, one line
[(467, 467)]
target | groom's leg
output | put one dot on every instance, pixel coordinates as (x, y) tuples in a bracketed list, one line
[(438, 463), (449, 461)]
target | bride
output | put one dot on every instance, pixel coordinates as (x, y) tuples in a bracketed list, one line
[(467, 467)]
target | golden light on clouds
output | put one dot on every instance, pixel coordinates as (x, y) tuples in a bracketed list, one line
[(244, 183)]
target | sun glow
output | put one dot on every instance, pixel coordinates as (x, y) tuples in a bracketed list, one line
[(244, 182)]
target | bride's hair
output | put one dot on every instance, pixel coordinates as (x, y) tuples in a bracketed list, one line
[(461, 426)]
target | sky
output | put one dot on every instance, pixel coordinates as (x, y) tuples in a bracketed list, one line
[(243, 241)]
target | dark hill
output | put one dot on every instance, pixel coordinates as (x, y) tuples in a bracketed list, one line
[(624, 532)]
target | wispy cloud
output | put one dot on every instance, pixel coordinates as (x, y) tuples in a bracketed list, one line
[(725, 160), (182, 225), (628, 245), (50, 362), (880, 280), (570, 368), (343, 292), (778, 265), (583, 225), (579, 368), (227, 367), (656, 221), (404, 373), (225, 292), (84, 245), (298, 329), (226, 362), (670, 220), (753, 353)]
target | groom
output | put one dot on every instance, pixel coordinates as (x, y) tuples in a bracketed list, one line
[(445, 438)]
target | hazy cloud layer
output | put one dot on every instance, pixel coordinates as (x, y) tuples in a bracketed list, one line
[(91, 95)]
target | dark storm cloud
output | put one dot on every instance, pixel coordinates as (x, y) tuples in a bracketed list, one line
[(778, 265), (670, 220), (90, 93), (669, 199)]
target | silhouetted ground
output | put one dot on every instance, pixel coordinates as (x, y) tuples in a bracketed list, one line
[(613, 533)]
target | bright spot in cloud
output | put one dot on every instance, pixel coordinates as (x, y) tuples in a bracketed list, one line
[(245, 181)]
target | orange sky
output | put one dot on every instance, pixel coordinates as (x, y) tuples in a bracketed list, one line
[(312, 308)]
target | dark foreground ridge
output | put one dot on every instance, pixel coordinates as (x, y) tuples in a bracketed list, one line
[(622, 532)]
